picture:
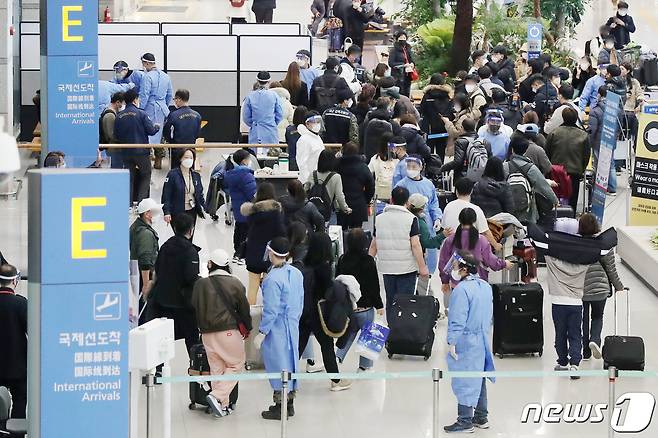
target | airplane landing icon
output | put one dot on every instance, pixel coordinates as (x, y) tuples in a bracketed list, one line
[(107, 306), (85, 69)]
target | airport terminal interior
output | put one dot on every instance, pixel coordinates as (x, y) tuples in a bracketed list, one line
[(396, 397)]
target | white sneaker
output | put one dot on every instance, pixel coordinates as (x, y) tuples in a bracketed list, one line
[(364, 370), (559, 367), (574, 368), (315, 368), (341, 386), (596, 350), (218, 411)]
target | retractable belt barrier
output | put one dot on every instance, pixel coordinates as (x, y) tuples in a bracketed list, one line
[(184, 146)]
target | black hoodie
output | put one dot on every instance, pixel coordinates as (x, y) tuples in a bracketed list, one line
[(492, 197)]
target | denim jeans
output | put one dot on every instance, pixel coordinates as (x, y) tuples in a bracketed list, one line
[(466, 414), (568, 321), (398, 284), (592, 330), (359, 319)]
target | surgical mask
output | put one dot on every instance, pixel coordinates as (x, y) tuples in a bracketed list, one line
[(651, 136), (456, 275), (534, 89), (413, 173), (494, 129), (387, 73), (457, 108), (123, 107), (62, 165), (350, 102), (187, 163), (301, 63), (118, 76), (557, 82), (524, 56), (469, 88), (314, 127), (356, 4), (609, 46), (584, 66), (622, 12), (248, 164)]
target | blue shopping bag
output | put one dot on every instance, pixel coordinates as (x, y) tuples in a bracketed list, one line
[(371, 340)]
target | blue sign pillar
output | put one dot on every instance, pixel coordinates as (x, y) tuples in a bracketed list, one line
[(535, 36), (69, 79), (78, 304), (605, 155)]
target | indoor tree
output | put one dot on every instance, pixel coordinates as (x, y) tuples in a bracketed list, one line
[(463, 35)]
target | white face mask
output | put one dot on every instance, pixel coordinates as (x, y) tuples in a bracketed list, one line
[(524, 56), (469, 88), (413, 173), (314, 127), (584, 66), (557, 82), (301, 63), (457, 108), (622, 12), (122, 107), (456, 275), (350, 103), (652, 136), (187, 163), (609, 46)]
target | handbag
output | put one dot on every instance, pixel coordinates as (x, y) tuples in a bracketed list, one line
[(413, 74), (242, 327)]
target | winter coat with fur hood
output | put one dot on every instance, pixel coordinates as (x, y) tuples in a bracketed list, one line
[(265, 219)]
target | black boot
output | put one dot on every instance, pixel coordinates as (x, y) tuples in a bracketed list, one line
[(273, 413), (291, 408)]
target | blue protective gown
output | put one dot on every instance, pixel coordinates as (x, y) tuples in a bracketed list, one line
[(308, 75), (262, 113), (432, 210), (105, 91), (283, 302), (155, 96), (469, 329), (134, 78)]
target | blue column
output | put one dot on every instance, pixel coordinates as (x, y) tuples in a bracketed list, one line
[(69, 79)]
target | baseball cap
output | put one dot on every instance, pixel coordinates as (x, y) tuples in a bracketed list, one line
[(148, 204), (264, 76), (220, 257), (418, 201), (393, 92), (528, 128), (148, 57)]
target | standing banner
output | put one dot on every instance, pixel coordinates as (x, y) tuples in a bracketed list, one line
[(69, 79), (535, 36), (610, 129), (78, 304), (644, 189)]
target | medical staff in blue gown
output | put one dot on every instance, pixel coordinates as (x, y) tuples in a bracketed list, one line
[(416, 183), (123, 75), (307, 72), (469, 330), (262, 112), (106, 90), (155, 95), (278, 337)]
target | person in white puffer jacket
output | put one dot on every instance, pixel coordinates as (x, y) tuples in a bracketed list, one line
[(288, 109), (309, 145)]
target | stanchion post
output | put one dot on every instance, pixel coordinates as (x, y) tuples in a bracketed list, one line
[(613, 374), (149, 381), (285, 377), (437, 375), (166, 404)]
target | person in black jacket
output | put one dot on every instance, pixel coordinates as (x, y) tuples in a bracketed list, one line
[(183, 191), (358, 186), (364, 103), (377, 122), (133, 126), (176, 271), (492, 193), (414, 136), (323, 86), (512, 116), (354, 18), (297, 208), (459, 163), (340, 125), (435, 104), (13, 342), (499, 61), (182, 125), (400, 60), (546, 100), (264, 10), (526, 91), (621, 25)]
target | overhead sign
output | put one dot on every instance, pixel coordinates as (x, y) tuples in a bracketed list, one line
[(78, 303), (535, 37), (69, 79), (644, 193), (609, 132)]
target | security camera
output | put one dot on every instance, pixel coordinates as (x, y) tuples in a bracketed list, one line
[(9, 158)]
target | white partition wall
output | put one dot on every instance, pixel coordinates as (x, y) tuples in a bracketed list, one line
[(128, 28), (129, 48), (266, 29), (30, 27), (30, 52), (200, 52), (272, 53), (196, 29)]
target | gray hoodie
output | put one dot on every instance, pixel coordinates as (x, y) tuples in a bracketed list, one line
[(566, 281)]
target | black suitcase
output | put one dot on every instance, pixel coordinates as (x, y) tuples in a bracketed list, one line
[(565, 211), (198, 391), (650, 72), (518, 319), (412, 326), (623, 352)]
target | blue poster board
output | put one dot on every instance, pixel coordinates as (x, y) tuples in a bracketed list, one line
[(535, 36), (69, 79), (609, 133), (78, 303)]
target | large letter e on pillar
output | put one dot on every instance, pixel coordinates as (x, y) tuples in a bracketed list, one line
[(78, 227), (68, 23)]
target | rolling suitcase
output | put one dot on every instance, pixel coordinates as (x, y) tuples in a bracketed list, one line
[(565, 211), (650, 71), (446, 193), (526, 255), (518, 319), (412, 326), (254, 357), (198, 391), (623, 352)]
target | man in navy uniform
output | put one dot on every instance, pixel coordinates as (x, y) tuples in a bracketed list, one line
[(182, 125)]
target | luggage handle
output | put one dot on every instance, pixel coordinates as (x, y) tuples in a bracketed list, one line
[(628, 311), (429, 281)]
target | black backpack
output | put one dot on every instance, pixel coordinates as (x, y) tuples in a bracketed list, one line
[(325, 95), (102, 139), (319, 196)]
